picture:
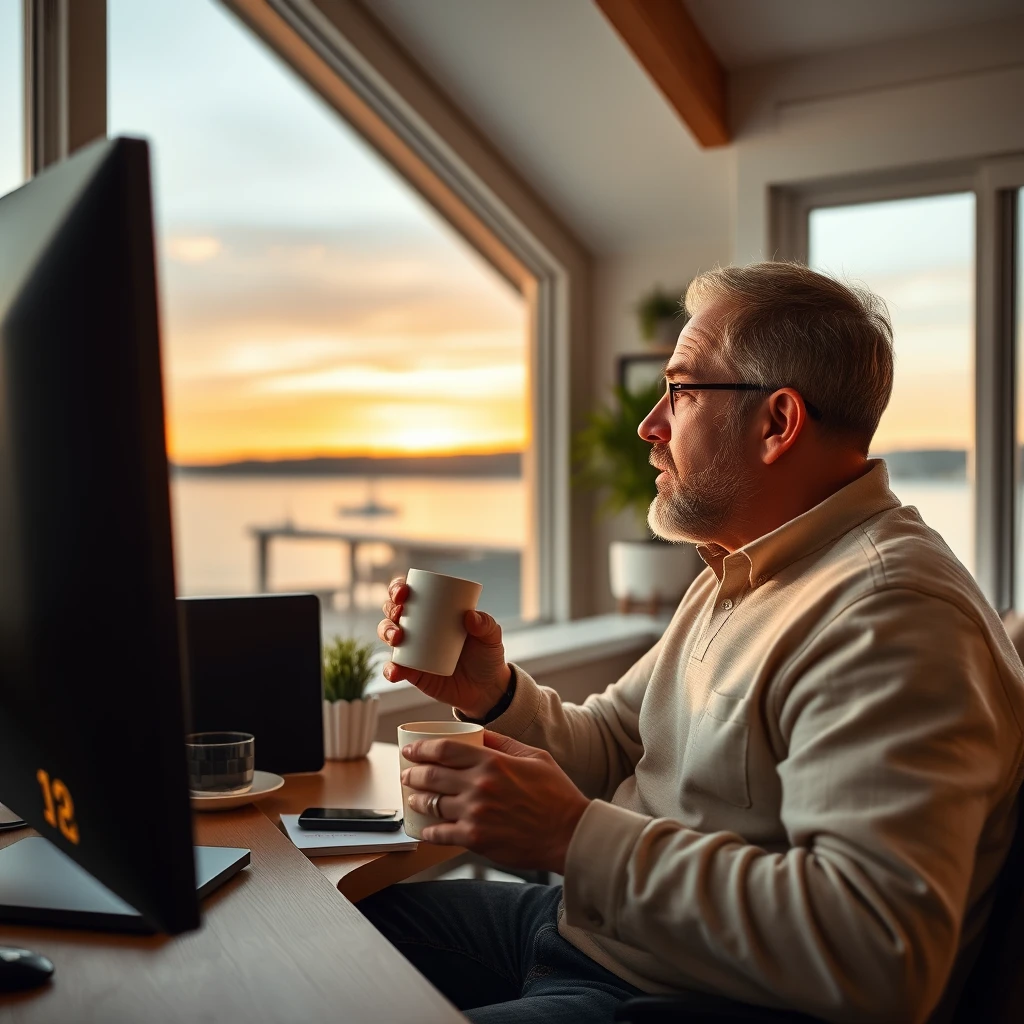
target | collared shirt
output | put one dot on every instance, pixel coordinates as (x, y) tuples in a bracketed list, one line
[(804, 791)]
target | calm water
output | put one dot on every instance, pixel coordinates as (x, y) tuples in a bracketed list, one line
[(215, 554), (946, 506)]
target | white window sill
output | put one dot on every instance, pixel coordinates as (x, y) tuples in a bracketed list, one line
[(544, 649)]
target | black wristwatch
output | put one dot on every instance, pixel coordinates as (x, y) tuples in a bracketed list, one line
[(502, 706)]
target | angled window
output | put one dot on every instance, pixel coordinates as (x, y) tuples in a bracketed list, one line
[(918, 255), (12, 114), (338, 361)]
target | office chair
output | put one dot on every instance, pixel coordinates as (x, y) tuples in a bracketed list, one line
[(993, 992)]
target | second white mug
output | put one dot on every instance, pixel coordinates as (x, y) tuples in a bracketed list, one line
[(461, 732)]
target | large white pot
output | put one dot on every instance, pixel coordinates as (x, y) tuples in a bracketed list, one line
[(349, 727), (646, 574)]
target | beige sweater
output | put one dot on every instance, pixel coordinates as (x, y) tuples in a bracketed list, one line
[(805, 789)]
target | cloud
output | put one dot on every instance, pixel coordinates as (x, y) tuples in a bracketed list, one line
[(307, 340), (457, 383), (192, 248), (330, 281), (210, 427)]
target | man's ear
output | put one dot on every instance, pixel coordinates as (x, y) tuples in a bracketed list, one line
[(786, 417)]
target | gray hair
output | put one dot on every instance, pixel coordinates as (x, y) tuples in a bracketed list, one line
[(785, 325)]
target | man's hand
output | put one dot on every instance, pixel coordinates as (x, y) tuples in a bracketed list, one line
[(506, 800), (480, 678)]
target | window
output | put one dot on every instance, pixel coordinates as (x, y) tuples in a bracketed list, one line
[(918, 255), (11, 106), (337, 360)]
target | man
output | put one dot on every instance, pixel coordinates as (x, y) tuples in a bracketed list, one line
[(801, 795)]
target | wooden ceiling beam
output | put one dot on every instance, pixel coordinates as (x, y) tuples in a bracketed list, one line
[(671, 49)]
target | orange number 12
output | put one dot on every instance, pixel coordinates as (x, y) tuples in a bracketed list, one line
[(58, 808)]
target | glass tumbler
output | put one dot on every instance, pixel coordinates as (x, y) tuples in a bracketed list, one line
[(220, 762)]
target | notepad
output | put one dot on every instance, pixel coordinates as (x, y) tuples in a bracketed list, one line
[(328, 843)]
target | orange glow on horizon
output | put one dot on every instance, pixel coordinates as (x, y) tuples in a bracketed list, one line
[(262, 455)]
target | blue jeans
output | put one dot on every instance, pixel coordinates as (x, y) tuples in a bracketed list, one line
[(494, 950)]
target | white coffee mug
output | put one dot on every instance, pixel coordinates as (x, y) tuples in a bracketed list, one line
[(433, 621), (461, 732)]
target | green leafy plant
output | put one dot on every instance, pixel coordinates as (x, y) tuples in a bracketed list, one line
[(347, 668), (611, 456), (657, 306)]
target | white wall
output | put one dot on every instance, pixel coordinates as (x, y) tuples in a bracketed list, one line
[(939, 99)]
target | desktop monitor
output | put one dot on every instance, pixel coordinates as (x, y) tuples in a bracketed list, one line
[(91, 699)]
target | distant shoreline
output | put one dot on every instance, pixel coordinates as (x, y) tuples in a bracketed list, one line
[(503, 464), (923, 464), (926, 464)]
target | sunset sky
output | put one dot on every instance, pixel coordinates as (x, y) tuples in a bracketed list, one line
[(313, 304)]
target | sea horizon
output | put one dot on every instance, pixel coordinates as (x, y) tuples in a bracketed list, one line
[(913, 463), (496, 464)]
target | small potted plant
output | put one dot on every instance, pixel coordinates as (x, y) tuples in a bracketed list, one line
[(350, 718), (612, 457), (661, 316)]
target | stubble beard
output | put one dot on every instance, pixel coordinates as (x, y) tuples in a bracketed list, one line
[(694, 510)]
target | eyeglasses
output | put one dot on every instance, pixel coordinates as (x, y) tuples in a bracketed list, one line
[(674, 388)]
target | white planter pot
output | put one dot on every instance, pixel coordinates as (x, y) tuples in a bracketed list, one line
[(648, 573), (349, 727)]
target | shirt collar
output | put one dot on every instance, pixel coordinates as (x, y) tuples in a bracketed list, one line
[(839, 513)]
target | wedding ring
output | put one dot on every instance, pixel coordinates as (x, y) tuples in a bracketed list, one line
[(432, 805)]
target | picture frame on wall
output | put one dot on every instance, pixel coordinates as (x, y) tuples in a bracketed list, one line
[(637, 372)]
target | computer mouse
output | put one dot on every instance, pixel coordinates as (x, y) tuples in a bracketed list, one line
[(21, 969)]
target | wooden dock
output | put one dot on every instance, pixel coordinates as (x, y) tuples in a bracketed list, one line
[(405, 552)]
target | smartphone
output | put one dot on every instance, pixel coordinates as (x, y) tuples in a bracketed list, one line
[(350, 819)]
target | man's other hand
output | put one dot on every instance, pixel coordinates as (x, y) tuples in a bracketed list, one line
[(505, 800), (481, 676)]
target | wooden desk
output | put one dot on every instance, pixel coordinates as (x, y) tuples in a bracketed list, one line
[(279, 943), (369, 782)]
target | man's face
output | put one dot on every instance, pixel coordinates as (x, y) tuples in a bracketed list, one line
[(701, 446)]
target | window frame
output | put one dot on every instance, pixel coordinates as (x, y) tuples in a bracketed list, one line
[(65, 76), (345, 56), (339, 51), (994, 183)]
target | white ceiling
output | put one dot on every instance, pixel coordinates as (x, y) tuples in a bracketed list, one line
[(747, 32), (555, 90)]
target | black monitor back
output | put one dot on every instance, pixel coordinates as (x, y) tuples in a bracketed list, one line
[(253, 664), (91, 701)]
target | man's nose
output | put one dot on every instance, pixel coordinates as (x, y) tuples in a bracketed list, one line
[(655, 426)]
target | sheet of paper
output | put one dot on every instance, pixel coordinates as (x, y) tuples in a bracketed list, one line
[(328, 842)]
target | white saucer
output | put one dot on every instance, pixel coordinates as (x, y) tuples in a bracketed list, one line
[(263, 783)]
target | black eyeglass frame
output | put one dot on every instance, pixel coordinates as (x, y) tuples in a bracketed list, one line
[(675, 387)]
